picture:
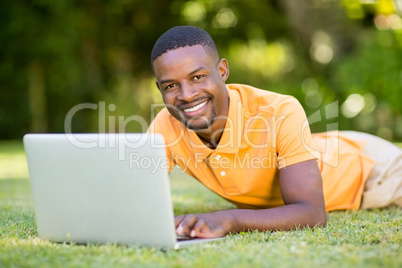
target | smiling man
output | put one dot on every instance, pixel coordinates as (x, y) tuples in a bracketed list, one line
[(254, 147)]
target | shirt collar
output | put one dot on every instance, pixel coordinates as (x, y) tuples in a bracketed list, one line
[(230, 141)]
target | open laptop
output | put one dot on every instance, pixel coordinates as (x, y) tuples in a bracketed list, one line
[(102, 188)]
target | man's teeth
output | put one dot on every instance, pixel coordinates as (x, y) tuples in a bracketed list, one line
[(195, 108)]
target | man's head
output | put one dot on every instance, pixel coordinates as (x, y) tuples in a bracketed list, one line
[(191, 78), (184, 36)]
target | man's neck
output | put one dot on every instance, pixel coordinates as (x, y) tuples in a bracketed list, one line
[(211, 139), (211, 136)]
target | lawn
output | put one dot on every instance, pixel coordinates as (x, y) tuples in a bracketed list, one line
[(352, 239)]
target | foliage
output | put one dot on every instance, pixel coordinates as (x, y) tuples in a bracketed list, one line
[(58, 54), (367, 72)]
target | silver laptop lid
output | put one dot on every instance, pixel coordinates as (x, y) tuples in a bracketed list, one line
[(101, 188)]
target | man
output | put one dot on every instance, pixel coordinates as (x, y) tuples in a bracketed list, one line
[(252, 147)]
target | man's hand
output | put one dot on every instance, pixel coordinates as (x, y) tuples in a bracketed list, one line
[(206, 225), (301, 187)]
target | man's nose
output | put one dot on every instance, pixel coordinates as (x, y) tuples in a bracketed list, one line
[(187, 93)]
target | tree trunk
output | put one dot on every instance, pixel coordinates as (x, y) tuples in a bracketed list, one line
[(308, 17), (37, 97)]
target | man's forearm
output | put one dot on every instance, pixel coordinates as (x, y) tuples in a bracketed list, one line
[(301, 189), (281, 218)]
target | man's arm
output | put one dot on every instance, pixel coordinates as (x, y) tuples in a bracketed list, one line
[(301, 188)]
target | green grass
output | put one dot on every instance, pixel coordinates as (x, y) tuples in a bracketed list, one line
[(370, 238)]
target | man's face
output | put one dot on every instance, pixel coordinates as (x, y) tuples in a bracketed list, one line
[(192, 85)]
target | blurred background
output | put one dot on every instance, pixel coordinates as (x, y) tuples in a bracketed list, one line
[(341, 59)]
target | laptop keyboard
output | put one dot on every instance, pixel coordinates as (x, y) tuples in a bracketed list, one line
[(184, 237)]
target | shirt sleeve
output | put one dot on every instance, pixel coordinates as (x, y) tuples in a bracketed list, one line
[(293, 135)]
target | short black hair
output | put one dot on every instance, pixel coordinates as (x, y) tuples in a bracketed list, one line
[(183, 36)]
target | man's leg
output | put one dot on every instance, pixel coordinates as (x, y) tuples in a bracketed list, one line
[(384, 183)]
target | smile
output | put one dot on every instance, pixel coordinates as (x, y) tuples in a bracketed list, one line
[(195, 108)]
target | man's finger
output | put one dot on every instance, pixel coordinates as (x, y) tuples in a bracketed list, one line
[(178, 219), (200, 229), (186, 225)]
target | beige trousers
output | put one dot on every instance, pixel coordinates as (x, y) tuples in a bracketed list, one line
[(384, 183)]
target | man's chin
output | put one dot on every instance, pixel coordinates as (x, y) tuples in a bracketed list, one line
[(198, 126)]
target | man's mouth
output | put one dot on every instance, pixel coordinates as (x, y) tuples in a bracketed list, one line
[(195, 108)]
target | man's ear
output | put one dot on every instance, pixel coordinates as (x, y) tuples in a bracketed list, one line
[(157, 85), (223, 68)]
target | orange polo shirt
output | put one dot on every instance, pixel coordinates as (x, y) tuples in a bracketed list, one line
[(265, 131)]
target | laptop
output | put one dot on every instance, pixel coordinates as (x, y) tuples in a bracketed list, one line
[(102, 188)]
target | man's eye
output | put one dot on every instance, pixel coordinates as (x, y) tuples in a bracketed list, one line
[(170, 86), (198, 77)]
